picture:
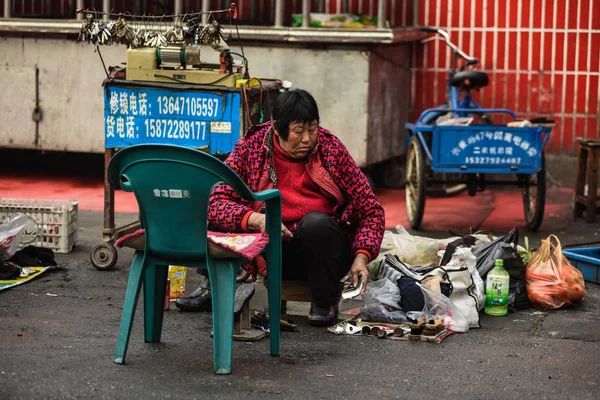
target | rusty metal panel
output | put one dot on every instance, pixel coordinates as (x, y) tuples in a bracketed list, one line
[(389, 94), (18, 100), (71, 94), (337, 78)]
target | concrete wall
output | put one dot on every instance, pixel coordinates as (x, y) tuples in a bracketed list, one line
[(71, 96)]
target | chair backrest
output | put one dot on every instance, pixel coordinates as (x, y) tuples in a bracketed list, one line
[(172, 185)]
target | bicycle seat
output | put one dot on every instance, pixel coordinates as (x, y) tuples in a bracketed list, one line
[(476, 79)]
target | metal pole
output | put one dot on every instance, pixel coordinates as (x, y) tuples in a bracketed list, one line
[(278, 13), (78, 6), (381, 14), (253, 10), (415, 12), (205, 8), (7, 8), (305, 13), (106, 8), (48, 10), (177, 10)]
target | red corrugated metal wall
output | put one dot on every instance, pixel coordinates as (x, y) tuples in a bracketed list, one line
[(542, 57)]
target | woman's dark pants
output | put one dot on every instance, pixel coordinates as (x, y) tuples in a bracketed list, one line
[(320, 253)]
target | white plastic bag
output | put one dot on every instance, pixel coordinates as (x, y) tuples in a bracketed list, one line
[(411, 249), (10, 236), (416, 250), (463, 257), (440, 306)]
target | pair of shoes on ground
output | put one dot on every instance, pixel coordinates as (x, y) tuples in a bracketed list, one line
[(201, 299)]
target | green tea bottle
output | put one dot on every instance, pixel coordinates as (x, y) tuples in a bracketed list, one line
[(496, 290)]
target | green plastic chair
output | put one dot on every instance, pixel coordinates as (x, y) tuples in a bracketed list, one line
[(172, 185)]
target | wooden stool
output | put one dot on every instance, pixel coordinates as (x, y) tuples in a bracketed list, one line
[(587, 173), (242, 330), (293, 291)]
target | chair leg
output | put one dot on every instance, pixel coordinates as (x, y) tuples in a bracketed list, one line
[(274, 295), (222, 283), (134, 285), (155, 285)]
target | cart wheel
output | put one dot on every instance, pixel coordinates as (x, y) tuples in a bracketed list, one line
[(534, 198), (103, 256), (415, 183)]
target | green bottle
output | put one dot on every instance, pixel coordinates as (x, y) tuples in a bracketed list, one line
[(496, 290)]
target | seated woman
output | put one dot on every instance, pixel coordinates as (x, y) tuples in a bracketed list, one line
[(332, 222)]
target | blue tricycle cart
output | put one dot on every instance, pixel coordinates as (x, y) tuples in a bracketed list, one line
[(458, 143)]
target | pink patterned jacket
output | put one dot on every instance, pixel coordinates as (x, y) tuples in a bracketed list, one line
[(358, 211)]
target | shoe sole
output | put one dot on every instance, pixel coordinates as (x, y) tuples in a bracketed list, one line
[(242, 294), (185, 307)]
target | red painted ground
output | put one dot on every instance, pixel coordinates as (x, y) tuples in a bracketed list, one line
[(495, 211)]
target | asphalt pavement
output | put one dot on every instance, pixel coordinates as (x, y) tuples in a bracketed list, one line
[(61, 347)]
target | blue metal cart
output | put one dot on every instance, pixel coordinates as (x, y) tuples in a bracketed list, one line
[(458, 142)]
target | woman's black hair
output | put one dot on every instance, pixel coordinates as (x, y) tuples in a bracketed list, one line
[(294, 105)]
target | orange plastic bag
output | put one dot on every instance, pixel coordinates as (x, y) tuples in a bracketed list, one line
[(552, 282)]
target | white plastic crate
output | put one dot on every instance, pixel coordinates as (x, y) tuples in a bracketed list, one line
[(52, 223)]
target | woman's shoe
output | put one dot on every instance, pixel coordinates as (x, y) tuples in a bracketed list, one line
[(199, 300), (322, 316)]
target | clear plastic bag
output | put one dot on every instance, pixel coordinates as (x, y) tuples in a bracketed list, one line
[(552, 282), (382, 291), (439, 306), (10, 236), (382, 303)]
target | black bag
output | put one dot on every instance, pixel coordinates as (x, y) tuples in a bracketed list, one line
[(505, 248), (32, 256), (487, 256)]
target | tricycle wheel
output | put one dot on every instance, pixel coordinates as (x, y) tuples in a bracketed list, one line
[(534, 198), (103, 256), (416, 183)]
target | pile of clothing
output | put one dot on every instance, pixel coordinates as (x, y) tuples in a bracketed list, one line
[(19, 264), (440, 278)]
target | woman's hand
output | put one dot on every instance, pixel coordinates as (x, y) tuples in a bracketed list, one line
[(257, 222), (358, 269)]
